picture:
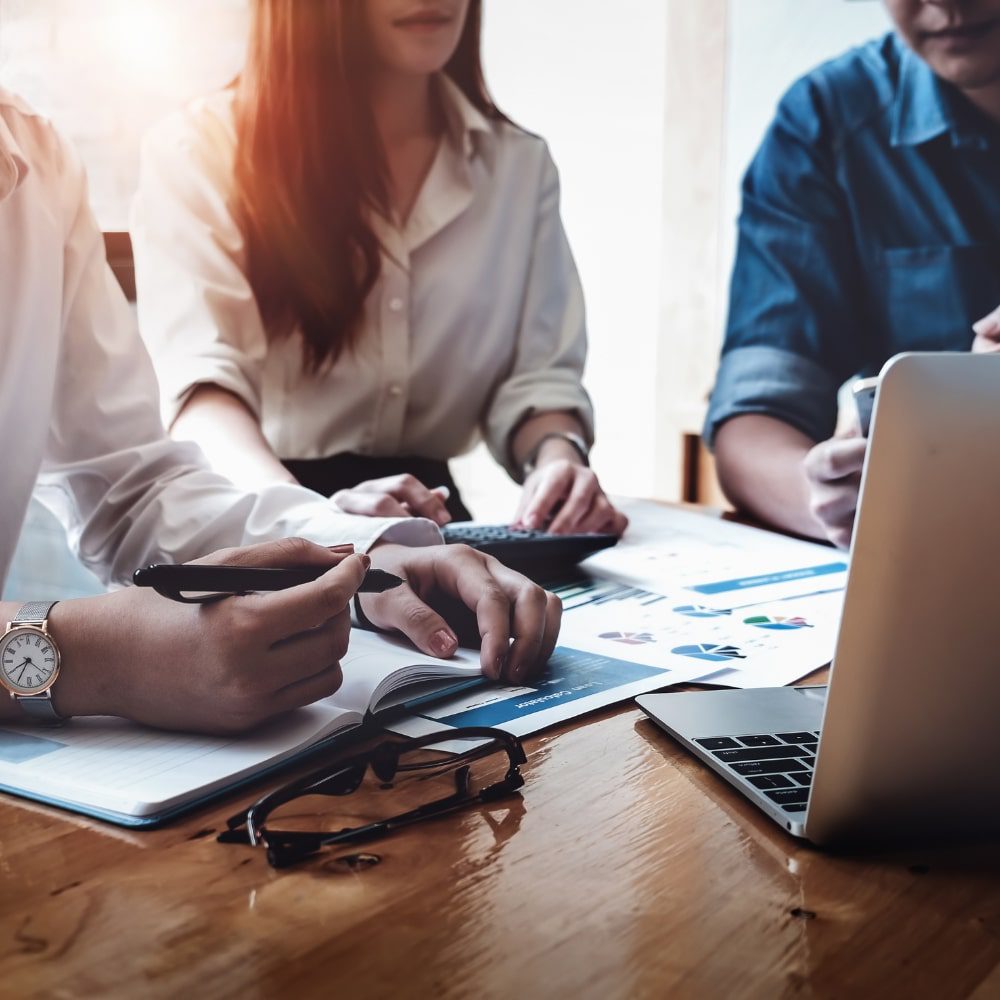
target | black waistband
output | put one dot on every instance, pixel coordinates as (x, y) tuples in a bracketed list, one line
[(341, 472)]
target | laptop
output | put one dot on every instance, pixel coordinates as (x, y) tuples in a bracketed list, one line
[(904, 743)]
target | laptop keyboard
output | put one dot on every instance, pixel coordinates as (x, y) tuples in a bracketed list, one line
[(779, 764)]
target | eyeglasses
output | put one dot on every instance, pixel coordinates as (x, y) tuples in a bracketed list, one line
[(415, 759)]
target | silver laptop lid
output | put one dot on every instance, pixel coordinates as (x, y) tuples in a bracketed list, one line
[(911, 735)]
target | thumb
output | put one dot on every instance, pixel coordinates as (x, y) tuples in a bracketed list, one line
[(988, 326), (400, 610), (283, 553)]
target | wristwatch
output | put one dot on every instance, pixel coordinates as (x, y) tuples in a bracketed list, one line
[(29, 661), (577, 442)]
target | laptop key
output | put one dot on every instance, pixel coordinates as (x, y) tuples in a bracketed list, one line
[(788, 796), (771, 781), (795, 807), (718, 743), (806, 759), (796, 737), (749, 767), (758, 741), (803, 777), (759, 753)]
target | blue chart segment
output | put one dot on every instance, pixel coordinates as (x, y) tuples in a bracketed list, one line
[(776, 623), (570, 675), (769, 579), (700, 611), (710, 651)]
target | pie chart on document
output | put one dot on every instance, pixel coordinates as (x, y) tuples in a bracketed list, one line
[(776, 623), (700, 611), (628, 638), (710, 651)]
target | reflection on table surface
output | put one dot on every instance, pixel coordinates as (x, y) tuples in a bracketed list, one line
[(625, 869)]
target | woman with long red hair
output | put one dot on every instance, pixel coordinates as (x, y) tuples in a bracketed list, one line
[(351, 267)]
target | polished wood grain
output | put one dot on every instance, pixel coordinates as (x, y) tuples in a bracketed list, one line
[(625, 869)]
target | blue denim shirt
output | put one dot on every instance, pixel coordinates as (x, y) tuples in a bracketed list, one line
[(870, 225)]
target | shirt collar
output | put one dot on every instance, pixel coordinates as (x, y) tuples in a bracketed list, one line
[(926, 107), (467, 128)]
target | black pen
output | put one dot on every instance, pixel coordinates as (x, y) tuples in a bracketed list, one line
[(192, 583)]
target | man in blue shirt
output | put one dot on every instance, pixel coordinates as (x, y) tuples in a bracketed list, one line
[(870, 225)]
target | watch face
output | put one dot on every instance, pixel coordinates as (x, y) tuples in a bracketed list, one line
[(29, 661)]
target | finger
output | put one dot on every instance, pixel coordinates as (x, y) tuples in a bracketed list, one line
[(524, 501), (357, 501), (835, 507), (988, 326), (578, 503), (553, 618), (419, 500), (835, 459), (474, 578), (301, 655), (307, 690), (528, 626), (282, 553), (551, 490), (600, 517), (508, 607), (401, 610), (988, 343), (287, 612)]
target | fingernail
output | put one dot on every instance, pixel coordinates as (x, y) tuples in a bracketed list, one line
[(530, 520), (443, 643), (346, 547), (366, 561), (442, 491), (980, 327)]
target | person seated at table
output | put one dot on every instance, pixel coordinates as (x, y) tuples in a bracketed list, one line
[(350, 266), (870, 225), (78, 402)]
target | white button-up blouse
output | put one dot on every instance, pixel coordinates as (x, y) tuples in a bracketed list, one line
[(78, 399), (476, 322)]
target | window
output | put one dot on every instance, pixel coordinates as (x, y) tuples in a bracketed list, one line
[(105, 70)]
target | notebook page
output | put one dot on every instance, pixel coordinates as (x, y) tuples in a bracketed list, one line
[(376, 665), (118, 766)]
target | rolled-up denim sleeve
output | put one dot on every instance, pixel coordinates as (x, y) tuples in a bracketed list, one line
[(775, 382), (796, 328)]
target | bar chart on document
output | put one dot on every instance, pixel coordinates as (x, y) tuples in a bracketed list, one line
[(773, 643)]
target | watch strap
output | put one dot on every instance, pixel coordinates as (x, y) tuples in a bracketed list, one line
[(33, 613), (37, 706), (40, 708)]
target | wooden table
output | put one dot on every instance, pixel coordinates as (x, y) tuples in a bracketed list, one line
[(626, 869)]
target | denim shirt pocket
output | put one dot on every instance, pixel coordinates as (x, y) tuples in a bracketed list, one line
[(932, 295)]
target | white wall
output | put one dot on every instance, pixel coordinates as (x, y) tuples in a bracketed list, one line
[(589, 76)]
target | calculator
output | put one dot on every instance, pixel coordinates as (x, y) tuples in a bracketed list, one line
[(537, 554)]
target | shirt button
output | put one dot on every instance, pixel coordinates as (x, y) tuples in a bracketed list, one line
[(395, 389), (395, 304)]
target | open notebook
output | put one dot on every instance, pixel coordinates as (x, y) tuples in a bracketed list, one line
[(129, 774)]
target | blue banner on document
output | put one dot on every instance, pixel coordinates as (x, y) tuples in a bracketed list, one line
[(768, 579), (571, 674)]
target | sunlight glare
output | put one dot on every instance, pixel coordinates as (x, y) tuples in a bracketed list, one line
[(142, 38)]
